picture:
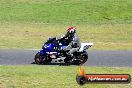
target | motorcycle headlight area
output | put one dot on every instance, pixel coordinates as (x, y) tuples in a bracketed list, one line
[(45, 46)]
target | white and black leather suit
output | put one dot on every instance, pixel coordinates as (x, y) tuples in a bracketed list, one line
[(73, 43)]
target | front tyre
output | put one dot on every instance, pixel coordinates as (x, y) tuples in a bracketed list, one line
[(39, 59)]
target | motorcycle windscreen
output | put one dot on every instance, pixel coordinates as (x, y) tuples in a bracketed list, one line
[(62, 47)]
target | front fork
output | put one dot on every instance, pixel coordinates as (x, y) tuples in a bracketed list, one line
[(43, 55)]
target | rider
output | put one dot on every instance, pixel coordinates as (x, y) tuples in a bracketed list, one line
[(73, 41)]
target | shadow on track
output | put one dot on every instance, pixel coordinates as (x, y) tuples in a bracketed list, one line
[(57, 64)]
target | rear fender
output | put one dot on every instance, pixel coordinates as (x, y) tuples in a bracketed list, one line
[(85, 46)]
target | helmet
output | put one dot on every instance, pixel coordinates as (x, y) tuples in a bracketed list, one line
[(71, 30)]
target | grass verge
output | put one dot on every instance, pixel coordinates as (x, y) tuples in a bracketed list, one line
[(66, 11), (32, 35)]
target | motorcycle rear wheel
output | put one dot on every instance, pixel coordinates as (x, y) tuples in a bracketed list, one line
[(82, 59)]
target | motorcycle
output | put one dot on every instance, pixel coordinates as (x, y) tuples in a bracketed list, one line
[(54, 49)]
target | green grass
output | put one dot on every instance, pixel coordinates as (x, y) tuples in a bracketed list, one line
[(66, 11), (54, 76), (32, 35), (28, 23)]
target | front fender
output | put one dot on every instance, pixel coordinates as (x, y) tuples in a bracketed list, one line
[(41, 52)]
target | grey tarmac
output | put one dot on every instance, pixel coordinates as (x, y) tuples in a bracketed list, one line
[(110, 58)]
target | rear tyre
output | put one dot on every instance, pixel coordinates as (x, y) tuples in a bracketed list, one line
[(82, 58), (66, 60)]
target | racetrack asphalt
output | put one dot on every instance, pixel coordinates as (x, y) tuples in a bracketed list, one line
[(111, 58)]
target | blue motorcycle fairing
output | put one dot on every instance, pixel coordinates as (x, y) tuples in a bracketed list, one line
[(62, 47), (41, 52), (48, 47)]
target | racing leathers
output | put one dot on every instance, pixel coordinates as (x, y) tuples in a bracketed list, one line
[(73, 43)]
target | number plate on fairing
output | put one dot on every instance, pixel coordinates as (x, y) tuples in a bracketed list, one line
[(52, 54)]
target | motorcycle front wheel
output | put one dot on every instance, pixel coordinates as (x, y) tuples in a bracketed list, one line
[(39, 59)]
